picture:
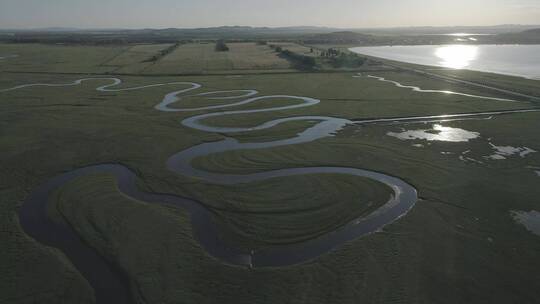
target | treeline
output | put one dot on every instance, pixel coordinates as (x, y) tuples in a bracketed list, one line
[(333, 57), (163, 53), (339, 59), (526, 37), (82, 39), (112, 37), (344, 37), (299, 61), (360, 39)]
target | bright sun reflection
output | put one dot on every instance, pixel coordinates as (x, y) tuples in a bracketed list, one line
[(437, 133), (457, 56)]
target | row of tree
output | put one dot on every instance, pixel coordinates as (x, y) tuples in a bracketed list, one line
[(347, 60), (330, 53), (163, 53), (339, 59), (299, 61), (334, 57)]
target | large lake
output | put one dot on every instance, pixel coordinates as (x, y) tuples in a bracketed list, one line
[(517, 60)]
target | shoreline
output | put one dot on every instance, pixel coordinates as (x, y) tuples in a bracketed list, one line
[(434, 65)]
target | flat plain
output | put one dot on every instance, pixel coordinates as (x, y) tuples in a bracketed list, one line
[(197, 58), (459, 244)]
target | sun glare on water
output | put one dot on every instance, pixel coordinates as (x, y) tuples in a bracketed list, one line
[(457, 56), (437, 133)]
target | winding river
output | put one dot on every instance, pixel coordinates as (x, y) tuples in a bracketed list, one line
[(110, 284), (8, 56), (420, 90)]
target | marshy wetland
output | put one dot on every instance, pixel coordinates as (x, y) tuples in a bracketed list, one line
[(298, 187)]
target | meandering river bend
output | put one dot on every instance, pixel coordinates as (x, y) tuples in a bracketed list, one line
[(110, 284)]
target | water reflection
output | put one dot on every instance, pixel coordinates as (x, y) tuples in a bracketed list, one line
[(456, 56), (502, 152), (518, 60), (466, 34), (437, 133), (531, 220), (8, 56)]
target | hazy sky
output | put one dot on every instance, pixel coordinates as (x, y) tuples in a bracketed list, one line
[(204, 13)]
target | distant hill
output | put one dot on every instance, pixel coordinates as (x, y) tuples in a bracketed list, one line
[(441, 30), (533, 32), (363, 39), (351, 38), (531, 36), (241, 31), (342, 37), (168, 35), (505, 34), (72, 35)]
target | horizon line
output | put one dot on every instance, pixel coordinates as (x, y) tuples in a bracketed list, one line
[(70, 28)]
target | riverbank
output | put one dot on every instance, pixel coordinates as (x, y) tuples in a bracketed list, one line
[(461, 222)]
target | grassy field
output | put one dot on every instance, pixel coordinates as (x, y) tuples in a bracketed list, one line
[(199, 58), (511, 83), (193, 58), (297, 48), (458, 245), (59, 58), (135, 59), (519, 84)]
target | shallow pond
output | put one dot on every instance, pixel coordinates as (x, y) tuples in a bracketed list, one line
[(531, 220), (502, 152), (437, 133)]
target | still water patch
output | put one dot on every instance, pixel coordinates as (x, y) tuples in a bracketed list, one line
[(503, 152), (8, 56), (456, 56), (437, 133), (531, 220)]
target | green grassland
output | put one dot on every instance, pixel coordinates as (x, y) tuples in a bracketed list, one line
[(191, 58), (58, 58), (197, 58), (136, 58), (519, 84), (459, 244), (297, 48), (512, 83)]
